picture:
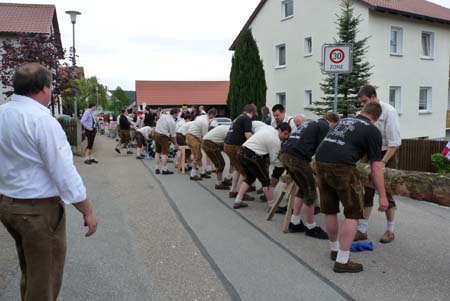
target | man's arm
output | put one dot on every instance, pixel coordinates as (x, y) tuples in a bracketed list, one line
[(378, 181), (89, 217), (389, 154)]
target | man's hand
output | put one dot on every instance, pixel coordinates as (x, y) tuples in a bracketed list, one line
[(90, 221), (90, 129), (383, 204)]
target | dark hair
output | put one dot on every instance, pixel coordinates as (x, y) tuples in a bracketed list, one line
[(147, 108), (173, 111), (278, 107), (331, 117), (249, 108), (265, 110), (123, 111), (212, 111), (31, 78), (187, 116), (91, 105), (367, 91), (373, 109), (284, 126)]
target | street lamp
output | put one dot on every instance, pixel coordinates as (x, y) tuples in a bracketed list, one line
[(73, 18)]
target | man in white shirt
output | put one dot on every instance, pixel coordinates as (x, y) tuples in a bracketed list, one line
[(164, 131), (389, 127), (142, 136), (256, 155), (37, 176), (197, 129)]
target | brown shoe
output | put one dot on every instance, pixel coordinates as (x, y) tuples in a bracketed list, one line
[(248, 198), (360, 236), (221, 186), (349, 267), (94, 161), (333, 255), (239, 205), (88, 162), (387, 237), (232, 194)]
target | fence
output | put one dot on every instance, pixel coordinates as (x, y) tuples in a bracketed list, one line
[(416, 154), (70, 127)]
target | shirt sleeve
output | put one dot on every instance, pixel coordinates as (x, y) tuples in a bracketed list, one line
[(274, 150), (374, 143), (56, 154), (392, 129), (247, 125), (172, 125), (85, 120)]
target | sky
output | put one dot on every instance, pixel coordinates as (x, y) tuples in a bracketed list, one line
[(123, 41)]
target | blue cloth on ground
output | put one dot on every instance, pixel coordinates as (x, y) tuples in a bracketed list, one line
[(359, 246)]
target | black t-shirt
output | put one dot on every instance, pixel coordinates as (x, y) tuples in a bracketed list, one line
[(124, 124), (349, 140), (236, 134), (304, 141), (150, 119)]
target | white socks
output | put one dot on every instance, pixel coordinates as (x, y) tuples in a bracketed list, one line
[(311, 226), (334, 245), (295, 219), (342, 256), (363, 223), (193, 172), (390, 226), (209, 168), (164, 168), (238, 199)]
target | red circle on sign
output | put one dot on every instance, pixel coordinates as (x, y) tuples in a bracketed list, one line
[(337, 56)]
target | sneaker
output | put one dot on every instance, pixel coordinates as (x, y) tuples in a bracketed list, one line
[(333, 255), (221, 186), (239, 205), (88, 162), (251, 189), (228, 182), (129, 152), (297, 228), (387, 237), (259, 191), (316, 232), (117, 150), (139, 157), (205, 176), (349, 267), (360, 236), (94, 161), (157, 172), (248, 198), (316, 210), (167, 172), (195, 178), (232, 194)]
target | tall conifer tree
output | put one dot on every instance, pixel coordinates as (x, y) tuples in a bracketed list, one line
[(247, 78)]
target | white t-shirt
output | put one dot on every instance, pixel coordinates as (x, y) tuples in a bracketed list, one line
[(166, 125), (389, 126), (184, 128), (146, 131), (199, 127), (257, 125), (265, 141), (217, 134)]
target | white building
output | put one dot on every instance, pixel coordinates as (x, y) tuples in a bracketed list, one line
[(409, 48)]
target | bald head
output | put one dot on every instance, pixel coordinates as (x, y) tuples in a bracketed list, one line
[(299, 119), (31, 78)]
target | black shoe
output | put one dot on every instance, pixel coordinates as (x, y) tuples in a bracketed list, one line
[(317, 232), (188, 168), (227, 182), (208, 172), (316, 210), (117, 150), (221, 186), (297, 228), (281, 210), (88, 162), (205, 176), (93, 161), (139, 157), (167, 172), (129, 152), (333, 255), (157, 172), (195, 178)]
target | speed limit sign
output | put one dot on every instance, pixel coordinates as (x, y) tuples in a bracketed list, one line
[(337, 58)]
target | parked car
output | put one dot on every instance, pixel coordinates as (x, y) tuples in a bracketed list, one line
[(223, 120)]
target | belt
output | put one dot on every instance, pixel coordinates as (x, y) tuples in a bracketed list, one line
[(50, 200)]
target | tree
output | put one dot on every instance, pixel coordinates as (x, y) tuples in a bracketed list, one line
[(90, 91), (119, 101), (42, 48), (247, 78), (349, 84)]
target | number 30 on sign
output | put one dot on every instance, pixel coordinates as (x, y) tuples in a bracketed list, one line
[(337, 58)]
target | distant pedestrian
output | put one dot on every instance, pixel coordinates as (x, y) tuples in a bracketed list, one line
[(164, 132), (142, 136), (89, 123), (37, 176), (149, 117), (124, 132), (266, 117)]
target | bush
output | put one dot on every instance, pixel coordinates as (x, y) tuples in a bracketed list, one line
[(442, 164)]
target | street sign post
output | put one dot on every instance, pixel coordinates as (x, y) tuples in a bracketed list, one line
[(337, 59)]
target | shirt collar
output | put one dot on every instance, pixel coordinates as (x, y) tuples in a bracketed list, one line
[(29, 101)]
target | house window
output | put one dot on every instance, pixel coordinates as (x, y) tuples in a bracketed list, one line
[(281, 98), (308, 98), (281, 55), (396, 40), (425, 99), (308, 46), (427, 44), (395, 94), (287, 8)]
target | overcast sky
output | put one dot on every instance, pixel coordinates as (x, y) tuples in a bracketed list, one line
[(123, 41)]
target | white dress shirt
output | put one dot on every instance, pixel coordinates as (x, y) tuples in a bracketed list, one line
[(145, 131), (287, 119), (35, 157), (265, 142), (389, 126), (184, 128), (199, 127), (166, 125), (217, 134)]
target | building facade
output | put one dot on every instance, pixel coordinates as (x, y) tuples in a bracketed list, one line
[(409, 46)]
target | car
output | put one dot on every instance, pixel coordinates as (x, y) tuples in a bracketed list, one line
[(223, 120)]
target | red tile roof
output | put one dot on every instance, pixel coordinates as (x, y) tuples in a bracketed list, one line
[(27, 18), (182, 92)]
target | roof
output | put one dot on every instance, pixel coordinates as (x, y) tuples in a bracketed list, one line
[(421, 9), (27, 18), (168, 93)]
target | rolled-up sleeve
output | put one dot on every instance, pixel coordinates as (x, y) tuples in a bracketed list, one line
[(392, 130), (57, 157)]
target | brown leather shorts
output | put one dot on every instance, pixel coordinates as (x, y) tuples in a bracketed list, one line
[(161, 144), (214, 152), (232, 151)]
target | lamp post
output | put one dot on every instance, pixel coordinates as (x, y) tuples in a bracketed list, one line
[(73, 18)]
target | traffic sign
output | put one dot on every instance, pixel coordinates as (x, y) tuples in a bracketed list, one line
[(337, 58)]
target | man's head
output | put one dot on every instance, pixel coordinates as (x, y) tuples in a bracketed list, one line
[(148, 109), (92, 106), (278, 113), (124, 112), (35, 81), (372, 110), (212, 113), (331, 118), (299, 119), (250, 110), (174, 113), (284, 129), (187, 117), (184, 109), (367, 94)]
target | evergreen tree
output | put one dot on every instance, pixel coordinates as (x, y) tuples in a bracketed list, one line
[(350, 83), (247, 78)]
